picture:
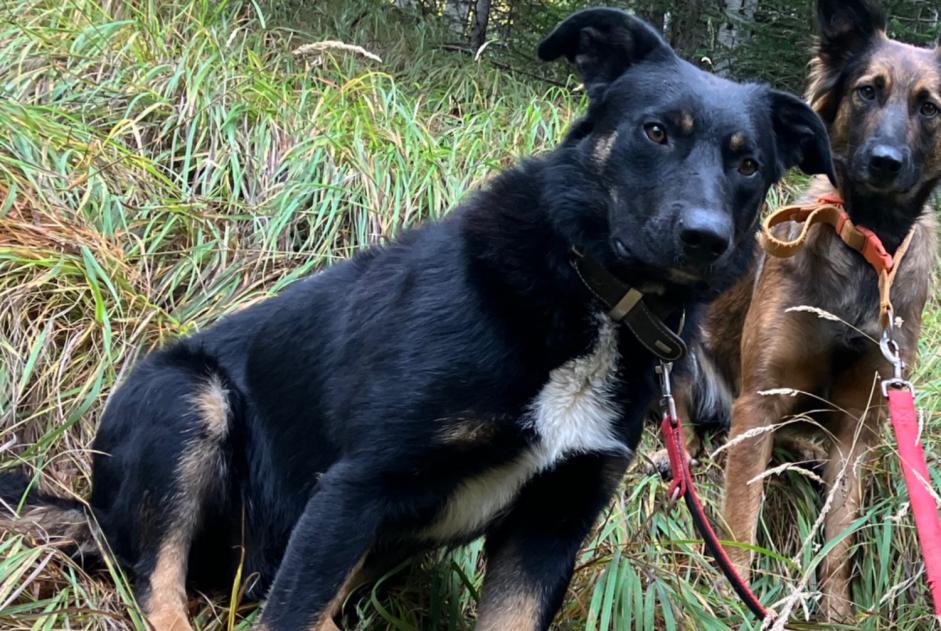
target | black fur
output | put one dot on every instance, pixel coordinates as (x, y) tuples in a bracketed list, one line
[(343, 391)]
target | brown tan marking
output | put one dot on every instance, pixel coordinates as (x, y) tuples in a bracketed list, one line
[(165, 606), (687, 123), (466, 433), (325, 620), (518, 612), (737, 141), (604, 147), (212, 405), (508, 601)]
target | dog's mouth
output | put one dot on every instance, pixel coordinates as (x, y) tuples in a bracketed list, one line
[(659, 278), (882, 187)]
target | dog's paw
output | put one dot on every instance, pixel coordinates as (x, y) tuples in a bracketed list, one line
[(659, 464)]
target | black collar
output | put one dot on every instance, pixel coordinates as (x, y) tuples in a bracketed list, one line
[(626, 304)]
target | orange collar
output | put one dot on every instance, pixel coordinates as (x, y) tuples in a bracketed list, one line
[(829, 210)]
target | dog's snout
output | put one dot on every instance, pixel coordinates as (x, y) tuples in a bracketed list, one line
[(886, 162), (704, 235)]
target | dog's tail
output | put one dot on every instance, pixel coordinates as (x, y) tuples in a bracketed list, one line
[(46, 518)]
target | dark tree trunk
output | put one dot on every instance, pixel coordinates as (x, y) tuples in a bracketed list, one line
[(481, 19), (687, 27)]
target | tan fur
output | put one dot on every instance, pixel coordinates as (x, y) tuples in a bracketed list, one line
[(856, 432), (518, 613), (165, 606), (507, 603), (212, 405), (687, 123), (604, 147), (325, 620), (466, 433), (737, 142)]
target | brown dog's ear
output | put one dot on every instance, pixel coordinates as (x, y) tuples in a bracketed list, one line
[(603, 43), (800, 136), (847, 27)]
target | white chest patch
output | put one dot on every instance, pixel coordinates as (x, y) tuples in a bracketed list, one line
[(574, 413)]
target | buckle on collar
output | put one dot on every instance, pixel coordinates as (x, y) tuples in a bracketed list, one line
[(625, 304)]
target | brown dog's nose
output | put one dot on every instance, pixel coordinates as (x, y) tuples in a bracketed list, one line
[(886, 162), (704, 235)]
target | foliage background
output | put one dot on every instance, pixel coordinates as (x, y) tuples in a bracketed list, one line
[(164, 162)]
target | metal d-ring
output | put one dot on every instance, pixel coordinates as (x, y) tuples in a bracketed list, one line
[(666, 391), (667, 402)]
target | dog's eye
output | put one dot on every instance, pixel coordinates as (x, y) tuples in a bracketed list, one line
[(866, 92), (929, 109), (748, 167), (656, 133)]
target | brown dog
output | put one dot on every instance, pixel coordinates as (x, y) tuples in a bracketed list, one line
[(880, 99)]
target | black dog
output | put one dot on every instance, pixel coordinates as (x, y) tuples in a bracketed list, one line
[(470, 379)]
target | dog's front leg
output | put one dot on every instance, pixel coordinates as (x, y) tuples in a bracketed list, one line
[(749, 451), (324, 554), (531, 551)]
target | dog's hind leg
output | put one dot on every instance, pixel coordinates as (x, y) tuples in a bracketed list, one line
[(200, 479), (161, 468), (531, 551), (857, 418)]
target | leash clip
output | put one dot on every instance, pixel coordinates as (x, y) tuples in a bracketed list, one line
[(667, 403), (891, 351)]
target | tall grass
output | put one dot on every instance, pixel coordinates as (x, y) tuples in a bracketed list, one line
[(165, 162)]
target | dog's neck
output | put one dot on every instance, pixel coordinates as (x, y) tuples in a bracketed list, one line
[(890, 216)]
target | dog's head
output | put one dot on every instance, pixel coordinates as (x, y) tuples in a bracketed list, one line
[(881, 100), (673, 163)]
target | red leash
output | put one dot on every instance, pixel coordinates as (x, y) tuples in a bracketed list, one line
[(904, 418), (671, 429)]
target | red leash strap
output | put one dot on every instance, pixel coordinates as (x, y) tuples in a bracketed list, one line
[(917, 479), (671, 429), (683, 485)]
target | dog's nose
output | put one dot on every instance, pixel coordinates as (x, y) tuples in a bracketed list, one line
[(704, 235), (886, 162)]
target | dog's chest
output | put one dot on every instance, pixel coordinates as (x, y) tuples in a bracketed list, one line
[(575, 412)]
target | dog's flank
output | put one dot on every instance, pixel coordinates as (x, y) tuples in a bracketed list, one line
[(458, 381)]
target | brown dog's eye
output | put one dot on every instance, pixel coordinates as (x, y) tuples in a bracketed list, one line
[(656, 133), (929, 109), (748, 167), (866, 92)]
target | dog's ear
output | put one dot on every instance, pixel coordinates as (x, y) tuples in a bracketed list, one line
[(847, 27), (602, 43), (800, 136)]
